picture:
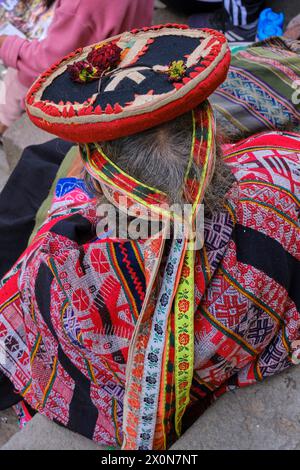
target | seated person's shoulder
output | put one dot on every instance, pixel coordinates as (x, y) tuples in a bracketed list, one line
[(270, 159)]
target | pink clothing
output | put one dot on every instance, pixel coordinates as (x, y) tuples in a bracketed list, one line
[(76, 23)]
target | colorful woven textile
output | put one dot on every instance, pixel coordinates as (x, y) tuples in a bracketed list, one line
[(23, 413), (72, 308), (260, 92)]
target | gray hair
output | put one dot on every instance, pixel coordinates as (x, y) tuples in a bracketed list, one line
[(158, 157)]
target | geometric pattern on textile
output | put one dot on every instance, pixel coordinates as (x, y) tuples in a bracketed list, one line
[(274, 358), (258, 93), (69, 308), (255, 98)]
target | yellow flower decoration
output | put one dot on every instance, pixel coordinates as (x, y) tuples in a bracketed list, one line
[(177, 70)]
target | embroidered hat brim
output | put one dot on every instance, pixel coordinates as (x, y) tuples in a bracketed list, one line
[(139, 93)]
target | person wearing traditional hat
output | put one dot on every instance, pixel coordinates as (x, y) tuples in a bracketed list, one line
[(126, 338)]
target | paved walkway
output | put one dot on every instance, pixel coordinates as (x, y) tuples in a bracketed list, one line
[(4, 169), (8, 426)]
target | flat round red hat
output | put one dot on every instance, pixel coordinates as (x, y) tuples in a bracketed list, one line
[(129, 83)]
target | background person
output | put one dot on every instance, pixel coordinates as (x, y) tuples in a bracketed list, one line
[(75, 24), (236, 18)]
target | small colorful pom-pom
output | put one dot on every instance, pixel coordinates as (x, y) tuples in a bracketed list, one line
[(176, 70)]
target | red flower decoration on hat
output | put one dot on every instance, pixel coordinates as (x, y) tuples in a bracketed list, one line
[(83, 72), (105, 57), (101, 59)]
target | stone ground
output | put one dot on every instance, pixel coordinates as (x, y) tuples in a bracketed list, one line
[(243, 411), (4, 169), (8, 426)]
